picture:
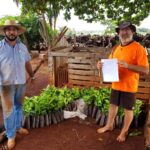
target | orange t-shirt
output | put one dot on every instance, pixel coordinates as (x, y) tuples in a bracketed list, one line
[(134, 54)]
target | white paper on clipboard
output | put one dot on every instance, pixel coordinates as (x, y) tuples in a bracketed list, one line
[(110, 70)]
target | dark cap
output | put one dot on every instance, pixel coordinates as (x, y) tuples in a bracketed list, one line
[(125, 25)]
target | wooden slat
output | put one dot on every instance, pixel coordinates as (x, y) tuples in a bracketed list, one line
[(93, 72), (145, 78), (86, 57), (77, 82), (144, 84), (143, 96), (81, 66), (64, 50), (80, 61), (144, 90), (71, 54), (105, 85), (85, 78), (81, 72)]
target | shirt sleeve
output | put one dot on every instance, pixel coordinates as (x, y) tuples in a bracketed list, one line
[(26, 53), (142, 59), (27, 56)]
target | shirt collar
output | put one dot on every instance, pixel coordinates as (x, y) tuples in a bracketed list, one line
[(127, 44), (5, 42)]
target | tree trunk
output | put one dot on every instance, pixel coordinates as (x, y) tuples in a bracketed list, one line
[(55, 21), (50, 22)]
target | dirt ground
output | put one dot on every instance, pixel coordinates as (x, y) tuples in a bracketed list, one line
[(72, 134)]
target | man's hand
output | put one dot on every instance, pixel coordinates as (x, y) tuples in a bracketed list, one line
[(32, 79), (138, 69), (29, 69), (123, 64)]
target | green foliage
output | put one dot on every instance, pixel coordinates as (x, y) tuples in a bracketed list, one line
[(120, 112), (30, 106), (50, 8), (105, 96), (110, 30), (52, 99), (89, 95), (31, 23), (3, 19), (109, 10), (137, 108)]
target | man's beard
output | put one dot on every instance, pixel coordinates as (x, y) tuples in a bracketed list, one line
[(11, 38), (126, 38)]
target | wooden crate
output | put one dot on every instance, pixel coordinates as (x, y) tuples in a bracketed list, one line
[(82, 69)]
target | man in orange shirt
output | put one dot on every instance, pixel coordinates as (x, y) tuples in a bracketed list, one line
[(132, 61)]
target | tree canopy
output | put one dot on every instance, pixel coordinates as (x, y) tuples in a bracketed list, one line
[(110, 10), (91, 10), (50, 8)]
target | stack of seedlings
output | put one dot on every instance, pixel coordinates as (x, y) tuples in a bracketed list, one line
[(47, 108)]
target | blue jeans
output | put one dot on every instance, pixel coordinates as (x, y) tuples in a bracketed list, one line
[(12, 97)]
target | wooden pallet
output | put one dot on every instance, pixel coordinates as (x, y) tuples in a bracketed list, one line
[(82, 71), (144, 91)]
